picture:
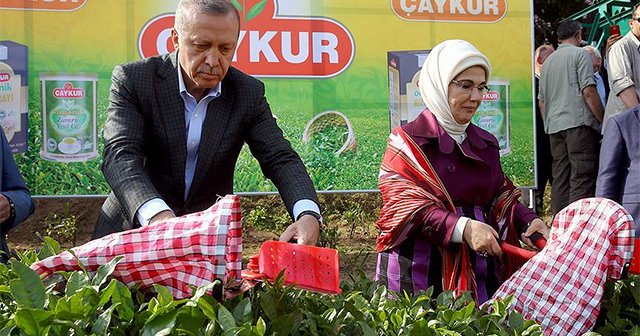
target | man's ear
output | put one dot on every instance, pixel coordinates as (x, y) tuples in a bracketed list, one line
[(174, 38)]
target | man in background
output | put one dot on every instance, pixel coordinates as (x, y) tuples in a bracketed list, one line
[(543, 149), (572, 114), (176, 124), (623, 66), (601, 86)]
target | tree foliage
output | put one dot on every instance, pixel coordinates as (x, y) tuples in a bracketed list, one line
[(549, 13)]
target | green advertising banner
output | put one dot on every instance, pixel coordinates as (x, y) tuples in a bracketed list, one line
[(339, 75)]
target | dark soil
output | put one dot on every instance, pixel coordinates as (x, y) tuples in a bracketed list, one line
[(349, 218), (28, 234)]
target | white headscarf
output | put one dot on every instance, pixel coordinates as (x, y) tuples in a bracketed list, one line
[(444, 62)]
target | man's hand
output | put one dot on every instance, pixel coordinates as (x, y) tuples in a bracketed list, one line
[(610, 41), (482, 238), (536, 225), (591, 96), (5, 209), (305, 230), (162, 215)]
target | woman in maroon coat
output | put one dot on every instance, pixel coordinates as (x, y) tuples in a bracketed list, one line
[(447, 202)]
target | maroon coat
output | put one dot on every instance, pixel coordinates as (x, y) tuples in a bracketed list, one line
[(472, 175), (471, 172)]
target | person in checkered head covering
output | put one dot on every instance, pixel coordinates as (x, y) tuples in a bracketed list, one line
[(561, 287), (447, 203)]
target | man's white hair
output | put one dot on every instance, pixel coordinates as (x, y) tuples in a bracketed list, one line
[(594, 51)]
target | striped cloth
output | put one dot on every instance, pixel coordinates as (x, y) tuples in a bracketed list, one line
[(561, 287), (416, 265), (180, 253)]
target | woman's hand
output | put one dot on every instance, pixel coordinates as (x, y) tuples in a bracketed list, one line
[(482, 238), (536, 225)]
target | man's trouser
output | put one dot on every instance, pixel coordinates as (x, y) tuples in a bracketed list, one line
[(575, 154)]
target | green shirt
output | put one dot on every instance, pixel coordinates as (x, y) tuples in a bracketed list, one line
[(564, 75)]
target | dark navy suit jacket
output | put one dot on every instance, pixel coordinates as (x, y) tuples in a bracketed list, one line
[(619, 175), (12, 186)]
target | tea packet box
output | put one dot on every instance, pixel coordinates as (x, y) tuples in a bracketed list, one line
[(14, 94), (405, 102), (493, 114)]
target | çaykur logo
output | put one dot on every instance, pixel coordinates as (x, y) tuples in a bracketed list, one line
[(270, 45), (68, 91), (450, 10), (491, 95)]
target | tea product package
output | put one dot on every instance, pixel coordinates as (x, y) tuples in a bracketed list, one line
[(69, 120), (405, 102), (14, 94), (493, 114)]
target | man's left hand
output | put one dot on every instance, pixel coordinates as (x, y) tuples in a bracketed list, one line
[(305, 230), (5, 209), (536, 225)]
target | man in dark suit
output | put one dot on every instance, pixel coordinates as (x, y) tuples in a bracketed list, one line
[(619, 174), (176, 124), (15, 199)]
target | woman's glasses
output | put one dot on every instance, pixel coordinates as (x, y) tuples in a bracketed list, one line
[(467, 86)]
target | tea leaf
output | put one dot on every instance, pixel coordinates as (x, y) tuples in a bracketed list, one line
[(76, 281), (107, 293), (516, 321), (207, 309), (27, 290), (283, 325), (34, 322), (50, 248), (161, 325), (242, 313), (261, 326), (225, 318), (121, 298), (105, 270), (101, 325)]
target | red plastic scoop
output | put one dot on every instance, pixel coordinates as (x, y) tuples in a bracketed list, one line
[(308, 267)]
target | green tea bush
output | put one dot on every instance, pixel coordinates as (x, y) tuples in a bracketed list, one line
[(620, 314), (83, 303)]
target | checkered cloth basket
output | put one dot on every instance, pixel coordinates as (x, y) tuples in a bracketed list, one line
[(561, 287), (331, 118), (180, 253)]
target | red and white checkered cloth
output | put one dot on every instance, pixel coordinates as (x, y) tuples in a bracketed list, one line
[(180, 253), (561, 287)]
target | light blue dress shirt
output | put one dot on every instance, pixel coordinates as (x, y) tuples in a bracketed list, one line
[(600, 88)]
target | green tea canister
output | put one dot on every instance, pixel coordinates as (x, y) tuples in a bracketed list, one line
[(69, 120)]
